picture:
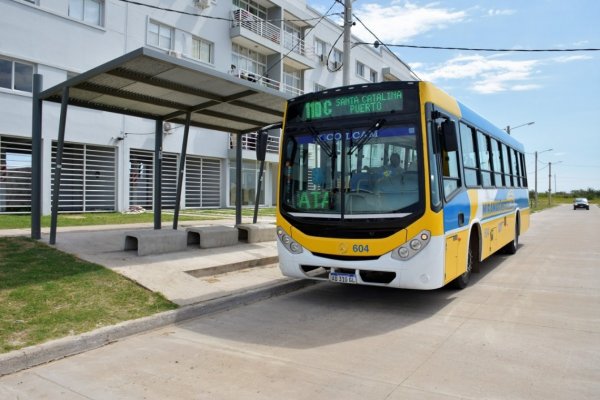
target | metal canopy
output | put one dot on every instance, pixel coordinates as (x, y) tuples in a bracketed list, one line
[(149, 84)]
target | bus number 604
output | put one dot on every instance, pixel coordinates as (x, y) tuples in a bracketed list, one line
[(360, 248)]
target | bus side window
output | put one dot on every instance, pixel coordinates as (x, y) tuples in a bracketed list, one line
[(450, 165), (467, 141)]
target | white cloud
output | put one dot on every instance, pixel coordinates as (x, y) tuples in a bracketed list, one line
[(581, 43), (485, 74), (565, 59), (492, 73), (495, 12), (402, 20)]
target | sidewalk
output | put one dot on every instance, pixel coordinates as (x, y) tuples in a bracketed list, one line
[(201, 281), (179, 276)]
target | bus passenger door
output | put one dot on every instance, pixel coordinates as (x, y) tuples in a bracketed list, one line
[(455, 198)]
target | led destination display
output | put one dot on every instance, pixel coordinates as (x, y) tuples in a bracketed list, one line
[(350, 105)]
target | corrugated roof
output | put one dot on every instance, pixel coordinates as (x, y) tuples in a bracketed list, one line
[(150, 84)]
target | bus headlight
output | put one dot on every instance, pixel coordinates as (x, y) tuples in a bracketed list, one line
[(415, 244), (403, 252), (288, 242), (412, 247)]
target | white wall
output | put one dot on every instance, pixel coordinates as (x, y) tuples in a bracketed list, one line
[(47, 37)]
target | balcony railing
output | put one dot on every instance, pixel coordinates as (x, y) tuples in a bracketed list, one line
[(266, 81), (294, 43), (292, 89), (249, 142), (257, 25), (254, 77)]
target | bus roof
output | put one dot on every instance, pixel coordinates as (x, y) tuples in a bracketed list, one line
[(471, 116)]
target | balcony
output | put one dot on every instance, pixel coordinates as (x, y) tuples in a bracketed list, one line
[(266, 81), (248, 30), (257, 30)]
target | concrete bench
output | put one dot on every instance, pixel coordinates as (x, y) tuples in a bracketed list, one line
[(157, 241), (253, 233), (212, 236)]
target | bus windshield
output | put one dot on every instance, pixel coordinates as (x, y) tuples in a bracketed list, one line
[(355, 172)]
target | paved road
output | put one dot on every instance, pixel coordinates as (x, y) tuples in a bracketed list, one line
[(527, 328)]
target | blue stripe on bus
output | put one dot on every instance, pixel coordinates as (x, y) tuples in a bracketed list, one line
[(479, 122), (459, 204)]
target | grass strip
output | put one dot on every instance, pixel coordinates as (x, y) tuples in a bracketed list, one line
[(47, 294), (23, 221)]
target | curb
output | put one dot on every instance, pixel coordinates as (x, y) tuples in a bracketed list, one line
[(32, 356)]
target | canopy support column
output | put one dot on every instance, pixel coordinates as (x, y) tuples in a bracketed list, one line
[(158, 143), (238, 179), (36, 158), (58, 165), (181, 170)]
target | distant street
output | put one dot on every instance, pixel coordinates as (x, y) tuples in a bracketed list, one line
[(527, 327)]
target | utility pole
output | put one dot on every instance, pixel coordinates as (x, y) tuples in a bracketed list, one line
[(549, 183), (536, 175), (347, 41), (535, 193)]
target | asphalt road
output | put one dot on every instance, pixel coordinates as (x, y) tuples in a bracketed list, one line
[(528, 327)]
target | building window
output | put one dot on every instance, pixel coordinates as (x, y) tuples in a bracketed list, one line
[(90, 11), (292, 80), (252, 7), (338, 57), (320, 49), (160, 35), (360, 69), (203, 50), (292, 38), (15, 75), (373, 76), (248, 61), (249, 179), (318, 88)]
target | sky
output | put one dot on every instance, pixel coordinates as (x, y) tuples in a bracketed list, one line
[(558, 91)]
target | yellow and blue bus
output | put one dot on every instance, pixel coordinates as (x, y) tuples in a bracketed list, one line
[(395, 184)]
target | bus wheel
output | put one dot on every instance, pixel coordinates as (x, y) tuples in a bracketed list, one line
[(462, 281), (513, 246)]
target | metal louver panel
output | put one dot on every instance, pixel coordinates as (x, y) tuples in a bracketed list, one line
[(141, 182), (211, 183), (202, 182), (15, 175), (169, 180), (88, 177), (141, 174)]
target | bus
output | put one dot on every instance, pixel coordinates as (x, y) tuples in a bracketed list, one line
[(395, 184)]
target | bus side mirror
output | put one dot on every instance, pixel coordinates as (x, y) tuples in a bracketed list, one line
[(449, 133), (262, 138)]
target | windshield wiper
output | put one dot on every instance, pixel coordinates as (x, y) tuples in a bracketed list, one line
[(366, 137), (316, 136)]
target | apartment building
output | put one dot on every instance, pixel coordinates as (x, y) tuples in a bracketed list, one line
[(108, 158)]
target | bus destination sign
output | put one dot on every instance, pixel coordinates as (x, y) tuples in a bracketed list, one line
[(352, 105)]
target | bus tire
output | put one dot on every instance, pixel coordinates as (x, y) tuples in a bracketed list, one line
[(513, 245), (472, 264)]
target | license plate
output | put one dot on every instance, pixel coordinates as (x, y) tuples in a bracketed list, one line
[(342, 278)]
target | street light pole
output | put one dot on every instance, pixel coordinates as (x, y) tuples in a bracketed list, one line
[(536, 175), (512, 128)]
